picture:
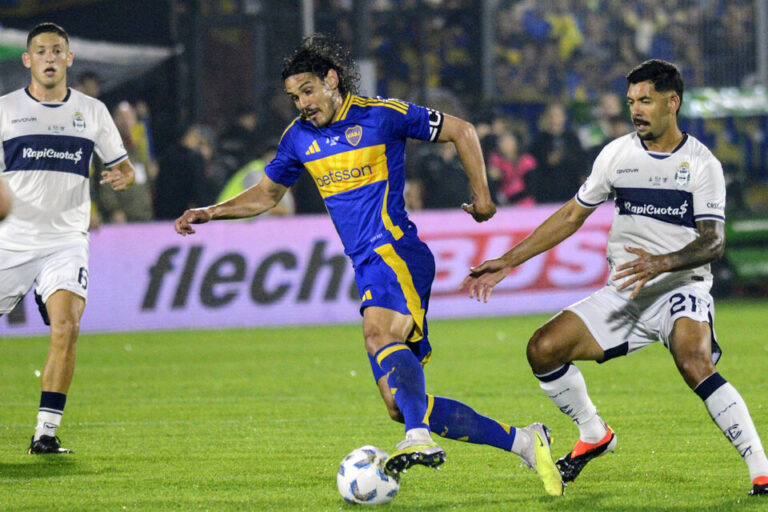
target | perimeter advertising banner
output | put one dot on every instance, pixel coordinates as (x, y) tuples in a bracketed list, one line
[(293, 271)]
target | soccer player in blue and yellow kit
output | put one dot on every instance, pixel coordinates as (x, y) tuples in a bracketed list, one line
[(354, 148)]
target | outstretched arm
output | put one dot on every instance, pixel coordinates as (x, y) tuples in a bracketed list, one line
[(251, 202), (708, 247), (556, 228), (464, 137)]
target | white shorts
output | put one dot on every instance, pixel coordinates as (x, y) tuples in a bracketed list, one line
[(48, 270), (621, 326)]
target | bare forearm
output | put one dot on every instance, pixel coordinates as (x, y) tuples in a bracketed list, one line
[(246, 204), (708, 247), (559, 226), (471, 156)]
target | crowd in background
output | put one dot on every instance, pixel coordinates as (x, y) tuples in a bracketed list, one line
[(552, 49), (526, 166), (558, 98)]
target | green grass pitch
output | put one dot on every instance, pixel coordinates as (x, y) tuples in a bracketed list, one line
[(259, 419)]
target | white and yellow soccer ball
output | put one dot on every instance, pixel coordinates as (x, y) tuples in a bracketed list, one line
[(361, 478)]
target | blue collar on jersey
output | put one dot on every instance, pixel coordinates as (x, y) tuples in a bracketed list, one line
[(662, 156), (52, 105)]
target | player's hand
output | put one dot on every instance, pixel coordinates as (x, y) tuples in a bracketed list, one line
[(484, 277), (639, 271), (480, 211), (116, 178), (194, 216)]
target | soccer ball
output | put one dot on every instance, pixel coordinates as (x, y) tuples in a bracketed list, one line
[(361, 478)]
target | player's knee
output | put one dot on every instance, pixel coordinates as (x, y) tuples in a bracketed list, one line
[(541, 350), (694, 367), (64, 330), (375, 338)]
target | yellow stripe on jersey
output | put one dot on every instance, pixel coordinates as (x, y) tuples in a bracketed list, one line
[(374, 102), (397, 233), (289, 127), (412, 300), (349, 170), (342, 112), (393, 348)]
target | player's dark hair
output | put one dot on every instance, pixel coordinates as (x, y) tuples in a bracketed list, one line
[(319, 53), (663, 75), (44, 28)]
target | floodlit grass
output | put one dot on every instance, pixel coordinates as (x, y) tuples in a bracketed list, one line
[(259, 420)]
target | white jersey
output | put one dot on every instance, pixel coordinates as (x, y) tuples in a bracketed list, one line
[(659, 197), (46, 157)]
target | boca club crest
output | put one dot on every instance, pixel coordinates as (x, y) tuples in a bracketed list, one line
[(354, 134)]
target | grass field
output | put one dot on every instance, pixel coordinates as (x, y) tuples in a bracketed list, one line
[(259, 419)]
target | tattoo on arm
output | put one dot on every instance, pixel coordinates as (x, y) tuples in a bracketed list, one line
[(708, 247)]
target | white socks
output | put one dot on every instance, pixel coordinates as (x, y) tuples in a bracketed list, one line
[(567, 389), (730, 413), (47, 423)]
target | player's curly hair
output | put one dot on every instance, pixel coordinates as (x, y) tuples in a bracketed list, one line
[(317, 54)]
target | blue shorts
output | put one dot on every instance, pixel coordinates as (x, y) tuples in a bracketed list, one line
[(398, 276)]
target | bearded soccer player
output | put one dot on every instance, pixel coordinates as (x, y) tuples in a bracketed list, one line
[(354, 148), (49, 133), (669, 225)]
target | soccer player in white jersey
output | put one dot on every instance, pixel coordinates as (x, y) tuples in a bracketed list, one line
[(49, 133), (669, 193)]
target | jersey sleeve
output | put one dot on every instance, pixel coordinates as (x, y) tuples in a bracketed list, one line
[(286, 167), (709, 192), (597, 187), (107, 143), (416, 122)]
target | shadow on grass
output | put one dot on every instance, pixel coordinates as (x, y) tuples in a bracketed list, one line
[(42, 467)]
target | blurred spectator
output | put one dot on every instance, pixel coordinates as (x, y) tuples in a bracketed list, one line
[(88, 82), (444, 183), (249, 175), (135, 203), (595, 132), (239, 141), (181, 181), (615, 127), (508, 167), (562, 162), (413, 193)]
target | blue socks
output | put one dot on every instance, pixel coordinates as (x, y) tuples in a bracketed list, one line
[(405, 377), (455, 420), (443, 416)]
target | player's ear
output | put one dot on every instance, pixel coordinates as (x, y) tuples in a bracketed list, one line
[(26, 60), (332, 79), (70, 59), (674, 102)]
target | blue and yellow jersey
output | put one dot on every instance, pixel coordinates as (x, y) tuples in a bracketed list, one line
[(358, 164)]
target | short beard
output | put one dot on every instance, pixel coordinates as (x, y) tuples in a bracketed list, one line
[(647, 136)]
